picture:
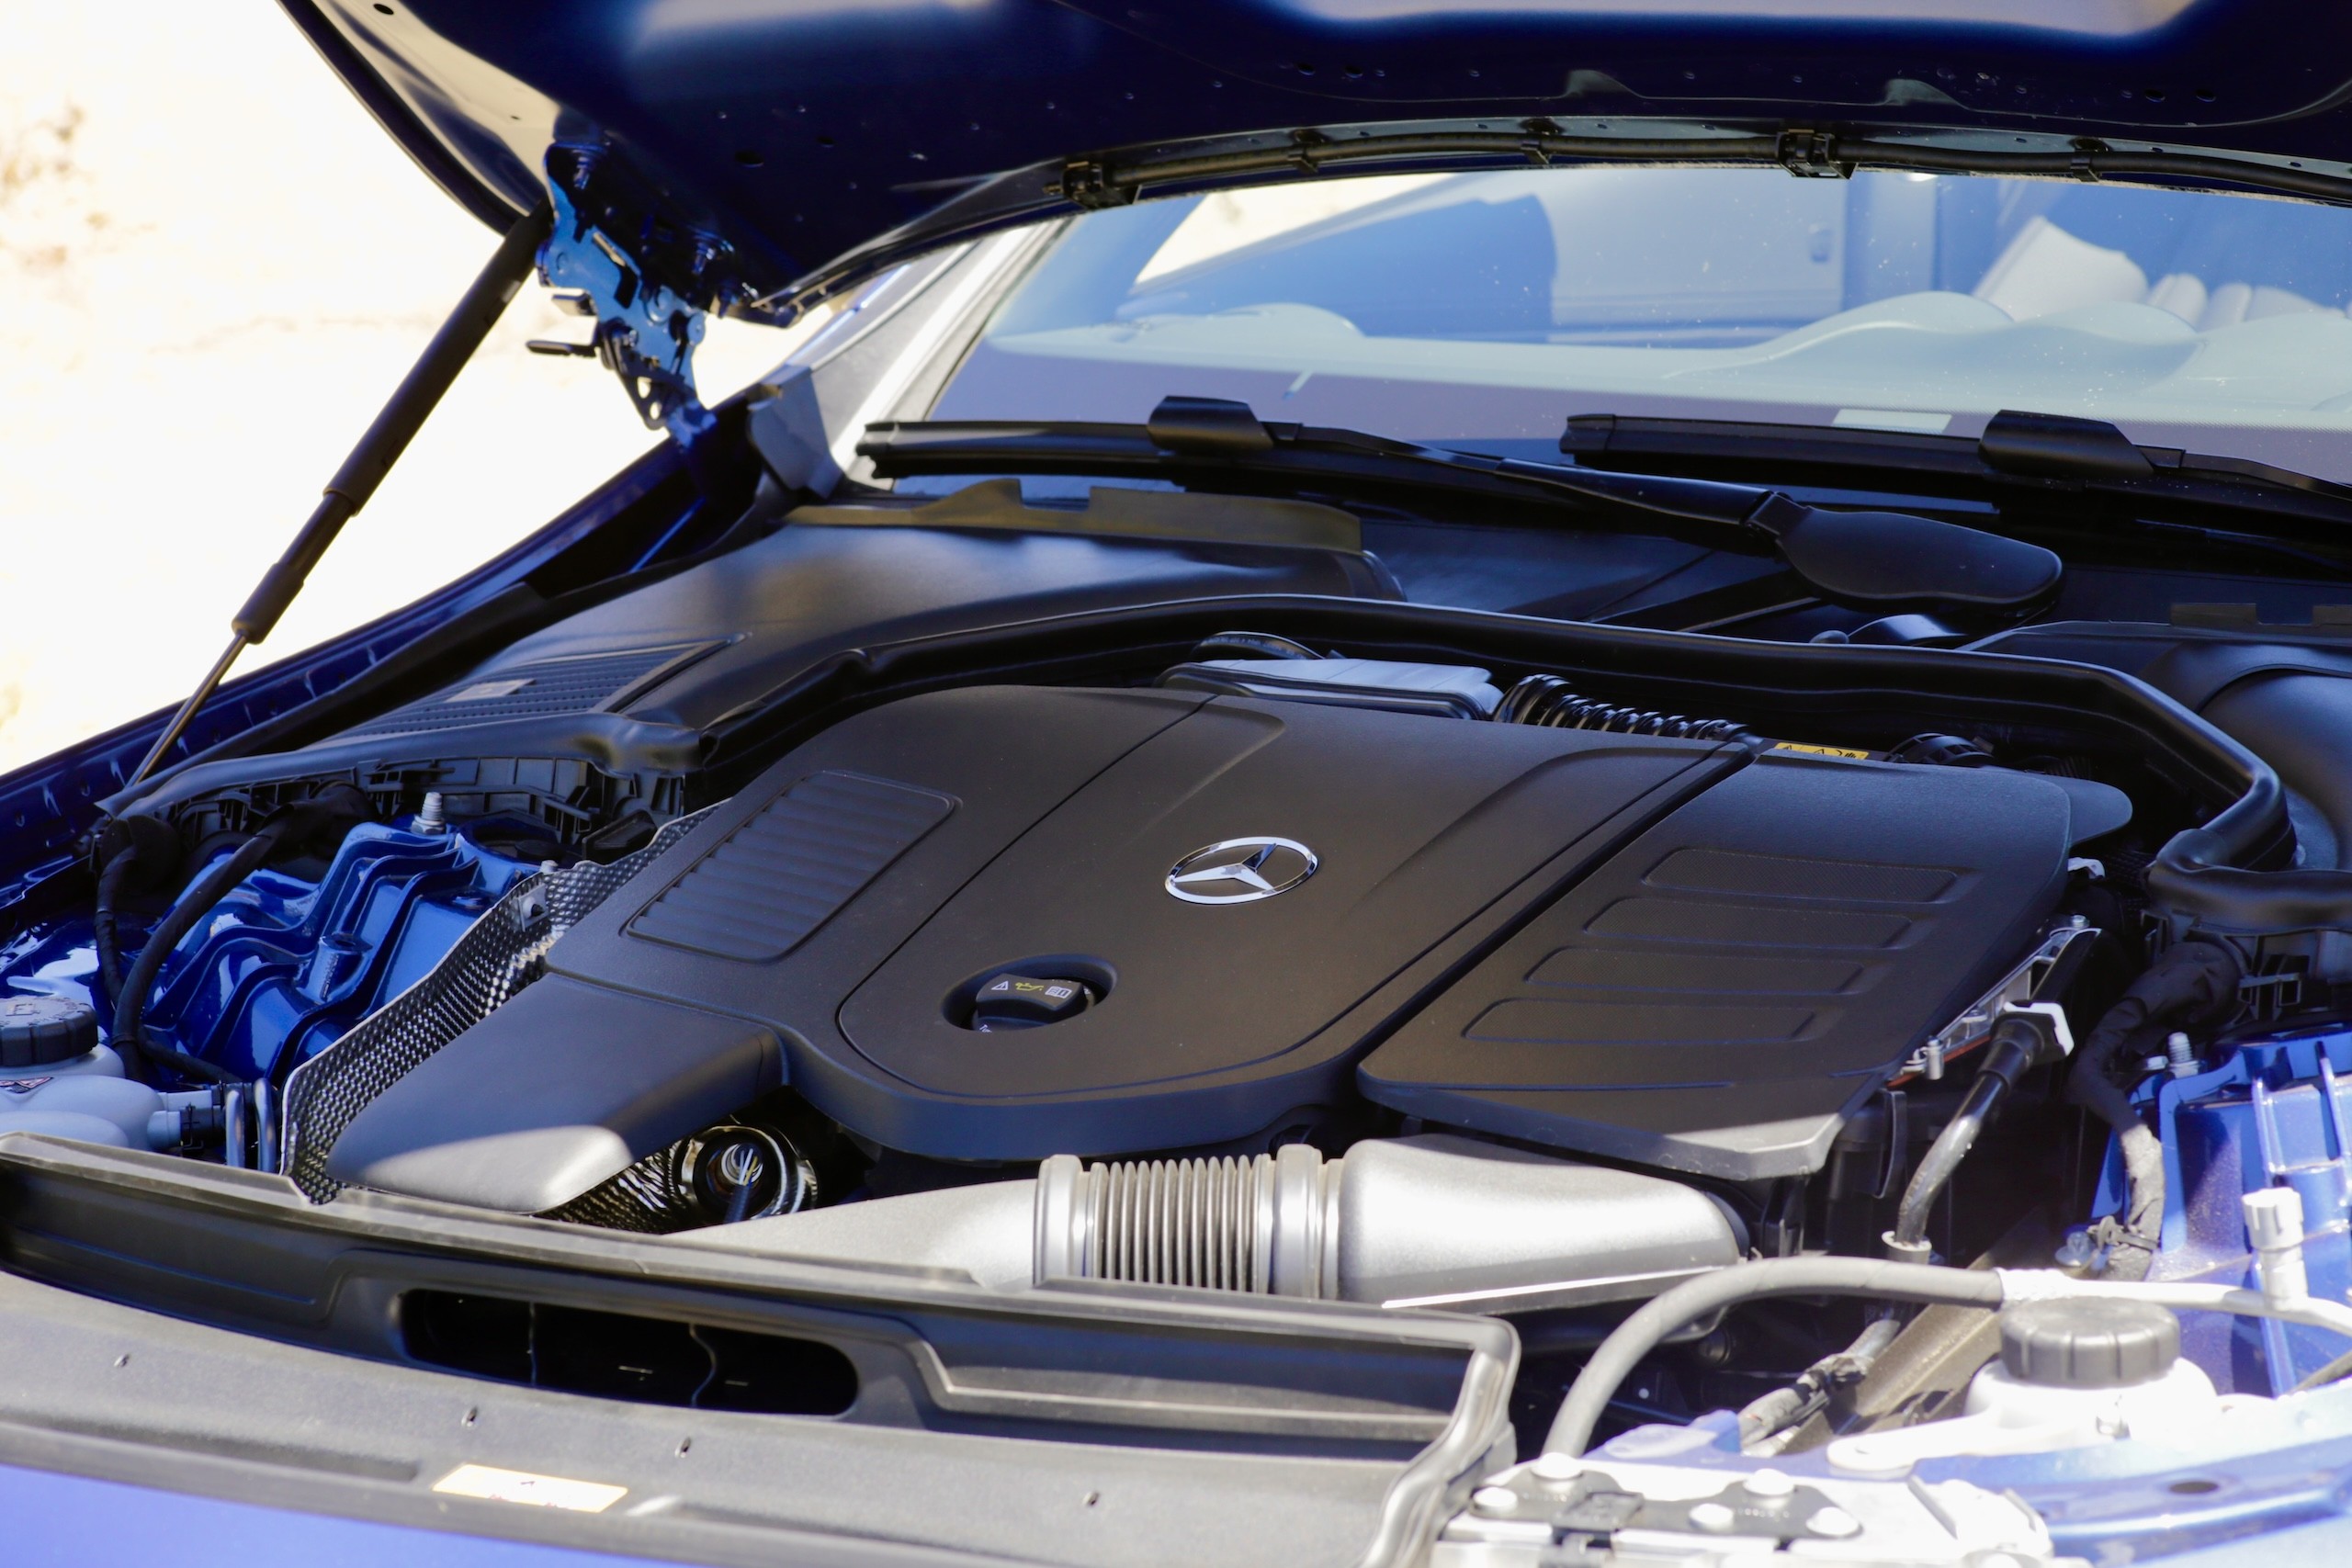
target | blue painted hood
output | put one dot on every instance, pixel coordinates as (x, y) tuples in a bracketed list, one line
[(754, 154)]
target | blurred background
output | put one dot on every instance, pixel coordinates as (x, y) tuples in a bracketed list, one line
[(213, 269)]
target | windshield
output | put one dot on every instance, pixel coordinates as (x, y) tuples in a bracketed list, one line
[(1486, 308)]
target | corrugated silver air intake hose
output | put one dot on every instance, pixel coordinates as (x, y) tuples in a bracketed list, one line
[(1264, 1225), (1424, 1221)]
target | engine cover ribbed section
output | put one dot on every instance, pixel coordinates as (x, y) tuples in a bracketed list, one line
[(762, 890)]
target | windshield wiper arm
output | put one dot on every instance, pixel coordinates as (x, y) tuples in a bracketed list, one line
[(2020, 453), (1869, 558)]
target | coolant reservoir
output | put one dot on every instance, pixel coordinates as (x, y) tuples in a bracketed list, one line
[(2073, 1372), (91, 1108), (55, 1077), (48, 1037), (2106, 1368)]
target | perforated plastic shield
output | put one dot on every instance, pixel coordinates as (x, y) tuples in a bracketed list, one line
[(499, 953)]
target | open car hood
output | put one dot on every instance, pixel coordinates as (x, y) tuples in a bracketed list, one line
[(751, 155)]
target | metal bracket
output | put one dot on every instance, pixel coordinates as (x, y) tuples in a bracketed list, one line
[(1812, 154), (2053, 1037), (1304, 145), (2016, 989), (2275, 989), (1086, 184), (645, 334), (1533, 149)]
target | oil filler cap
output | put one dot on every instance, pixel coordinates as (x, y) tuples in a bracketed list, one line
[(1025, 1001), (2087, 1343), (37, 1030)]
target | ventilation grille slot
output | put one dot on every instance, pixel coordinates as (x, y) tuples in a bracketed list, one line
[(611, 1354), (791, 867)]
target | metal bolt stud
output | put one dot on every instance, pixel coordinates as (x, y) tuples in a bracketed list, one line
[(1834, 1523), (1493, 1502), (1556, 1467), (1713, 1518)]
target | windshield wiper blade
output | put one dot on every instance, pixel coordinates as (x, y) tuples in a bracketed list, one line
[(2020, 453), (1867, 559)]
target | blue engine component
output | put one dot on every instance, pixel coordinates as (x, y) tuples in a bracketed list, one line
[(2274, 1112), (284, 966)]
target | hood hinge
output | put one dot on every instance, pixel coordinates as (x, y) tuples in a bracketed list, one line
[(645, 333)]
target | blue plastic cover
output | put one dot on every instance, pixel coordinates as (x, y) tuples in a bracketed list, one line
[(2277, 1112), (283, 964)]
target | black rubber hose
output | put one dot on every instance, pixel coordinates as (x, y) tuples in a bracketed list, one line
[(2189, 982), (1942, 1158), (133, 853), (138, 1053), (1648, 1328), (2004, 1061), (335, 806), (2196, 875), (104, 929)]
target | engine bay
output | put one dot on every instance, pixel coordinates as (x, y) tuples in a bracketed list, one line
[(1479, 840), (1298, 943)]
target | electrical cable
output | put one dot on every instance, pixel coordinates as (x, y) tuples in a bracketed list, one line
[(2190, 980), (1655, 1321), (1784, 1409)]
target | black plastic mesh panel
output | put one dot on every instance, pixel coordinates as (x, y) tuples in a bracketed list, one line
[(583, 684), (499, 953)]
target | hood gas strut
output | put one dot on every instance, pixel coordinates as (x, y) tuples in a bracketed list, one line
[(418, 393)]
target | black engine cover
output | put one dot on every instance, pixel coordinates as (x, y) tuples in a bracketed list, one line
[(1060, 816), (1716, 994), (1658, 950)]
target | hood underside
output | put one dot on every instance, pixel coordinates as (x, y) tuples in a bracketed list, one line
[(756, 155)]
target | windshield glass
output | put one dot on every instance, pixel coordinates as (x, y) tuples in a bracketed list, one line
[(1486, 308)]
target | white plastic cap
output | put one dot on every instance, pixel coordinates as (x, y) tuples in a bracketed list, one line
[(2274, 1218)]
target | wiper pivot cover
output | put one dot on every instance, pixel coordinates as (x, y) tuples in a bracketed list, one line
[(1207, 427), (2058, 447), (1892, 558)]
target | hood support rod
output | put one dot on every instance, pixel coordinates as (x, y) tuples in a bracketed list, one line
[(418, 393)]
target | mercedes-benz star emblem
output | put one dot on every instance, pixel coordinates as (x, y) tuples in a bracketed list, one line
[(1241, 871)]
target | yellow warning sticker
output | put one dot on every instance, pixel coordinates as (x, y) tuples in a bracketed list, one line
[(1819, 750), (522, 1486)]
